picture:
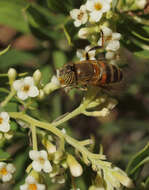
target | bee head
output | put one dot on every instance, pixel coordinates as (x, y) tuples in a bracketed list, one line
[(67, 75)]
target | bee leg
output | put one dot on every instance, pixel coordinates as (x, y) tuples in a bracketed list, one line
[(96, 47)]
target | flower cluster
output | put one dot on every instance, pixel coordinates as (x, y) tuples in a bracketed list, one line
[(6, 171), (92, 11)]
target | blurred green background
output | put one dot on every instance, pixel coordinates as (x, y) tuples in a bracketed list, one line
[(35, 30)]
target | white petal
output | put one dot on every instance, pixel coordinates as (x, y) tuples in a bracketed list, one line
[(10, 168), (34, 154), (22, 95), (74, 13), (90, 5), (5, 127), (33, 91), (40, 187), (18, 84), (116, 36), (83, 8), (30, 180), (106, 7), (5, 116), (55, 80), (95, 16), (2, 165), (36, 166), (113, 45), (7, 177), (24, 187), (29, 81), (43, 154), (47, 167), (77, 23)]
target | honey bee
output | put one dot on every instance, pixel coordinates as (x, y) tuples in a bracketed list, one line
[(90, 72)]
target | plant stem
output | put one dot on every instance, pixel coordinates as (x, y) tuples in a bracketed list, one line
[(34, 137), (50, 127)]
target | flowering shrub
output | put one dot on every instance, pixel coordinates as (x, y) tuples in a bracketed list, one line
[(29, 112)]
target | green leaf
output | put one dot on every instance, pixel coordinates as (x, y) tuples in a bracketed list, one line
[(59, 6), (4, 155), (59, 59), (14, 57), (136, 163), (143, 54), (11, 14)]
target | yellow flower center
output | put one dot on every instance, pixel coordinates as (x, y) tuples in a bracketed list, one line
[(98, 6), (3, 171), (41, 160), (1, 120), (26, 88), (32, 187), (80, 15)]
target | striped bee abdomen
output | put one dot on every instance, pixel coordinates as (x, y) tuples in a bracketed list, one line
[(110, 73)]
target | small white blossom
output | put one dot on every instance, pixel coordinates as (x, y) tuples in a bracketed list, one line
[(97, 8), (25, 88), (32, 184), (111, 39), (79, 15), (6, 171), (4, 122), (81, 53), (40, 161)]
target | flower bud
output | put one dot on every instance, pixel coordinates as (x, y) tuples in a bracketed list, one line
[(52, 85), (12, 75), (8, 135), (37, 76), (75, 168), (141, 4), (41, 94), (83, 33), (58, 156), (49, 146)]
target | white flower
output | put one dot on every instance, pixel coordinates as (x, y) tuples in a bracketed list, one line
[(97, 8), (25, 88), (79, 15), (32, 184), (81, 53), (4, 122), (40, 161), (111, 39), (6, 171)]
